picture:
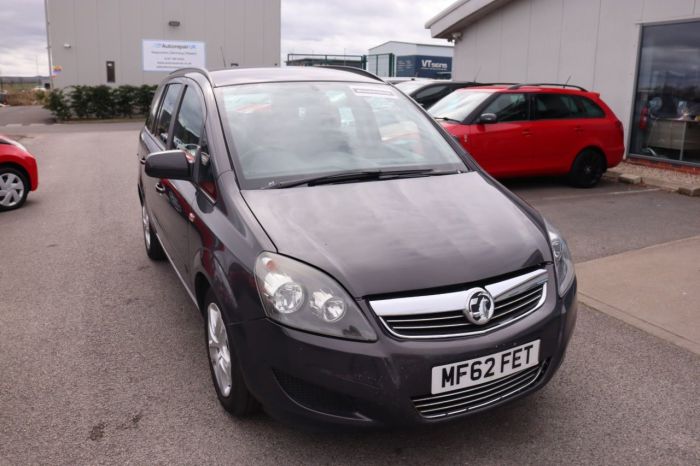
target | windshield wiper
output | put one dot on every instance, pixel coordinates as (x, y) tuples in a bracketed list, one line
[(365, 175), (451, 120)]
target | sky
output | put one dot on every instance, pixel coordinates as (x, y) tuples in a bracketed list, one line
[(308, 26)]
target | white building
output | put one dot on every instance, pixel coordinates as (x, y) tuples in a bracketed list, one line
[(141, 41), (409, 59), (643, 56)]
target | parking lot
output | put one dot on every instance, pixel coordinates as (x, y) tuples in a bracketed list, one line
[(102, 354)]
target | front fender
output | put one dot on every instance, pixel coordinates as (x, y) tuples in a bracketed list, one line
[(234, 286)]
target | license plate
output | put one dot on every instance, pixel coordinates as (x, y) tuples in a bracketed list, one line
[(484, 369)]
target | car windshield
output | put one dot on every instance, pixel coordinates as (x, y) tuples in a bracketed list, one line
[(408, 87), (284, 132), (459, 105)]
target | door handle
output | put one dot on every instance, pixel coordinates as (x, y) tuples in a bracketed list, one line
[(160, 188), (527, 132), (578, 129)]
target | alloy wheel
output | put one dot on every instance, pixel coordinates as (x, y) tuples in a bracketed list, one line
[(11, 189), (219, 354), (146, 226)]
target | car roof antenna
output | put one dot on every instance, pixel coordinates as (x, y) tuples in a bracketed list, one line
[(567, 80), (476, 75)]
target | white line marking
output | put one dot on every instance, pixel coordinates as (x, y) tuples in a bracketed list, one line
[(13, 124), (613, 193), (38, 124)]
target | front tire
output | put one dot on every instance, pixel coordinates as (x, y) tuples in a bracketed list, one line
[(587, 169), (153, 248), (226, 373), (14, 188)]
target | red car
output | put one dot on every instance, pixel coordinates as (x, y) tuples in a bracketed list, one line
[(18, 174), (534, 129)]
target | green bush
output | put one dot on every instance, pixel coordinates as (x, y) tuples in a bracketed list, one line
[(57, 103), (80, 103), (124, 99), (144, 96), (100, 101)]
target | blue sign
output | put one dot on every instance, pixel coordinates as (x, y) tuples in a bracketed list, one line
[(422, 66)]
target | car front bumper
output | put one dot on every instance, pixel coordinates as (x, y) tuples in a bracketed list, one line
[(311, 379)]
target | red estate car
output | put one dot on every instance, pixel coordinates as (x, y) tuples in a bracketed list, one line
[(18, 174), (534, 129)]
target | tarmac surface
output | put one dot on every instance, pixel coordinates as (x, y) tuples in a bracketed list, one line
[(24, 115), (102, 355)]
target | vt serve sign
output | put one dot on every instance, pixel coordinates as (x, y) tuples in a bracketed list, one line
[(169, 55)]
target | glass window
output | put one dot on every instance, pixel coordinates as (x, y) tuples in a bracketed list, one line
[(189, 123), (666, 121), (167, 108), (554, 106), (285, 131), (153, 110), (459, 105), (588, 108), (430, 92), (508, 107), (408, 87)]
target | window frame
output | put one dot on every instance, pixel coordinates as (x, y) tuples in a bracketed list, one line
[(494, 97), (168, 143), (196, 163), (559, 94), (581, 98)]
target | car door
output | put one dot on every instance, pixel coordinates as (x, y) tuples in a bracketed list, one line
[(167, 200), (503, 147), (154, 138), (556, 132)]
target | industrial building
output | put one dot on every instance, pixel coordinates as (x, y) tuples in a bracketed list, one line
[(408, 59), (642, 56), (136, 42)]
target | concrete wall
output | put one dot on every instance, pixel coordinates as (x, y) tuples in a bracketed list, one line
[(102, 30), (592, 43)]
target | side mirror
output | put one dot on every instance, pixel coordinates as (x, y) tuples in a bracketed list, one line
[(488, 118), (170, 164)]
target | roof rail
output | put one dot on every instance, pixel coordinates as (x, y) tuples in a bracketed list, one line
[(193, 69), (518, 86), (352, 69)]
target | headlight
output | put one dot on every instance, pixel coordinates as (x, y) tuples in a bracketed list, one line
[(302, 297), (563, 263)]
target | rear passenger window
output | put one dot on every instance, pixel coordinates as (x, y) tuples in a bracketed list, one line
[(589, 109), (508, 107), (165, 114), (432, 91), (554, 106)]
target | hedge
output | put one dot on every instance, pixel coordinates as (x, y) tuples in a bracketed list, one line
[(99, 102)]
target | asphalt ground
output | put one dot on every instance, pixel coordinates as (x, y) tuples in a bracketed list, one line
[(102, 356), (25, 115)]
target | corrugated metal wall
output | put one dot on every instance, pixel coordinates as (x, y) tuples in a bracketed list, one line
[(592, 42), (102, 30)]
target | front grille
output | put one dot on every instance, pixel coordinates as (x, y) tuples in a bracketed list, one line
[(442, 316), (479, 396)]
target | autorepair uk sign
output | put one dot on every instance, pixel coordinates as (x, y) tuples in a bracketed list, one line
[(169, 55), (422, 66)]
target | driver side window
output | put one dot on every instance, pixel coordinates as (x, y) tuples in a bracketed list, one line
[(508, 107), (189, 135)]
